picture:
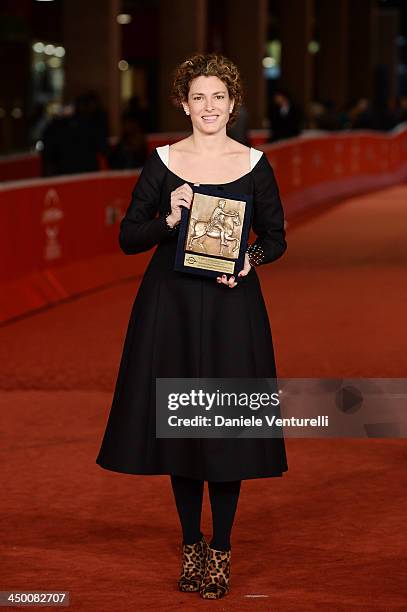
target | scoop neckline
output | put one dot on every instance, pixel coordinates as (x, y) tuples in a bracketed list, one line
[(207, 184)]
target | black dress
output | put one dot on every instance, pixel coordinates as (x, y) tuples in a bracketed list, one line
[(180, 327)]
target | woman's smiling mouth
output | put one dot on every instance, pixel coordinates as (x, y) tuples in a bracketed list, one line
[(210, 118)]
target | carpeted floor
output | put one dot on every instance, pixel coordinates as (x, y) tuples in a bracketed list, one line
[(329, 535)]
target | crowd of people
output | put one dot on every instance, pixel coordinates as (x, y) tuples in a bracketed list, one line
[(287, 119), (77, 140)]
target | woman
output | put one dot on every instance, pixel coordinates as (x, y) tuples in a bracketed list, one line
[(180, 325)]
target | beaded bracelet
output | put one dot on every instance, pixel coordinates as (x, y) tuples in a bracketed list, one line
[(255, 254), (169, 228)]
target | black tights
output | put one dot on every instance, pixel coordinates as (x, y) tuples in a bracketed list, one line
[(223, 496)]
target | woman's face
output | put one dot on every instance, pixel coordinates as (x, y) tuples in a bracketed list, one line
[(208, 104)]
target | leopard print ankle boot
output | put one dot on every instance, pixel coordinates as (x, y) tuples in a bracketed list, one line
[(215, 583), (193, 566)]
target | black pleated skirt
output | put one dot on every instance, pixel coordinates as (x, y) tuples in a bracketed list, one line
[(189, 327)]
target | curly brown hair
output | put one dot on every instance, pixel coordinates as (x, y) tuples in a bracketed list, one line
[(210, 64)]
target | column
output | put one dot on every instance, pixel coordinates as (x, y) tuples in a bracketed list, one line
[(182, 33), (93, 47), (362, 44), (245, 45), (332, 61), (386, 57), (296, 27)]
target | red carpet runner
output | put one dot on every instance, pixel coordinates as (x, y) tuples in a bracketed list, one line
[(329, 535)]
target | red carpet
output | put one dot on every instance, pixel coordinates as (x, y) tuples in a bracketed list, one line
[(329, 535)]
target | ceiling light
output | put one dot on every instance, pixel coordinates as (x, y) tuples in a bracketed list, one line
[(123, 18), (269, 62), (38, 47), (59, 51)]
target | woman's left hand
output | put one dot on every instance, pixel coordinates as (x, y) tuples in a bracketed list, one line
[(231, 283)]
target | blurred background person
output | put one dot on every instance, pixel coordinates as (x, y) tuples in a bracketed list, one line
[(131, 150), (137, 112), (76, 143), (361, 115), (401, 109), (329, 119), (286, 117)]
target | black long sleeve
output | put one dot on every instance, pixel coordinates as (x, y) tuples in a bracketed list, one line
[(268, 216), (140, 228)]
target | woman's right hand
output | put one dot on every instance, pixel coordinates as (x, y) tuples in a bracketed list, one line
[(182, 196)]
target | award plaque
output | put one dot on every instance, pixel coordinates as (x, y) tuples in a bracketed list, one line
[(213, 233)]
